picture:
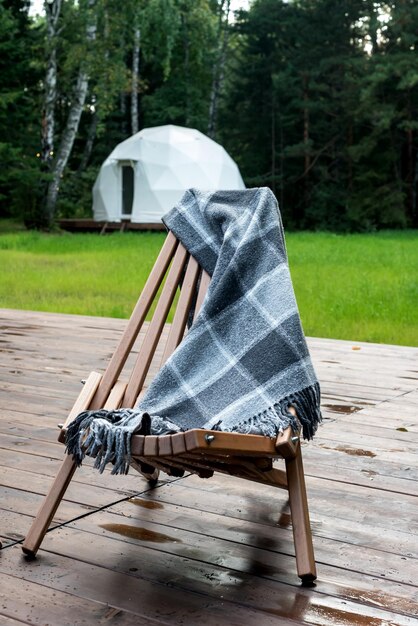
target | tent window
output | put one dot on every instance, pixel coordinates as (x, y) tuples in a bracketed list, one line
[(127, 189)]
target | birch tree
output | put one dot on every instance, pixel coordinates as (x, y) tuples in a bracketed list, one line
[(135, 77), (74, 114), (219, 66), (182, 97), (52, 15)]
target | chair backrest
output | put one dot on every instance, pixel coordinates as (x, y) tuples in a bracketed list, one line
[(179, 269)]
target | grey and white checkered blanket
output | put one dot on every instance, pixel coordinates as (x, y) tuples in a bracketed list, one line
[(245, 360)]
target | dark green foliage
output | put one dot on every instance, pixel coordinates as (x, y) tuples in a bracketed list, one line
[(322, 107), (19, 114), (319, 101), (182, 97)]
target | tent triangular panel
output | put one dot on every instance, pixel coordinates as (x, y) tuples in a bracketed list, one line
[(153, 169)]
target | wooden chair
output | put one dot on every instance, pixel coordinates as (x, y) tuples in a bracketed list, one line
[(199, 451)]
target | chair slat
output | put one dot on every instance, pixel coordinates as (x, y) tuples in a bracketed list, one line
[(116, 395), (178, 443), (229, 443), (183, 307), (203, 287), (155, 328), (165, 446), (83, 401), (151, 445), (137, 319)]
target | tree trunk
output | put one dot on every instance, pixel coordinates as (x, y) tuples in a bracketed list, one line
[(219, 67), (52, 12), (273, 142), (73, 120), (350, 142), (281, 161), (135, 80), (306, 130), (186, 47), (415, 195), (124, 124), (88, 148), (410, 166), (307, 157)]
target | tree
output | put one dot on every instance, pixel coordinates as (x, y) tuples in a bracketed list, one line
[(222, 35), (316, 99), (89, 14), (18, 92), (181, 96), (327, 119), (52, 14), (384, 150)]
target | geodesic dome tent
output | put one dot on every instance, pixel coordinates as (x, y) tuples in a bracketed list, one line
[(148, 173)]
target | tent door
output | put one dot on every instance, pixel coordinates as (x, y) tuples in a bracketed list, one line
[(127, 190)]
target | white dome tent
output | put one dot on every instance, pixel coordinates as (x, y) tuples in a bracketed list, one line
[(148, 173)]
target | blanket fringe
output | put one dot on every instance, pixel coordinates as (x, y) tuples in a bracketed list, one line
[(106, 435), (277, 418)]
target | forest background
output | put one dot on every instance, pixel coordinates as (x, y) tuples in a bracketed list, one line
[(317, 99)]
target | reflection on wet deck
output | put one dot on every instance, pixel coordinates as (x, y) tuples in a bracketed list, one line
[(217, 551)]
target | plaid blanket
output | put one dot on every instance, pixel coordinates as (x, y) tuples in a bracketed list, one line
[(245, 360)]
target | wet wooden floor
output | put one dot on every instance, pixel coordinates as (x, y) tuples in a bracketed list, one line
[(218, 551)]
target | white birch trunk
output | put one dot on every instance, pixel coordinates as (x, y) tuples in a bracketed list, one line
[(135, 80), (73, 120), (52, 12), (186, 46), (123, 109), (91, 133), (219, 67)]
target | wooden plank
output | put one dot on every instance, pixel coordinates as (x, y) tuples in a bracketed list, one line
[(195, 566), (354, 459), (8, 620), (87, 479), (203, 287), (347, 502), (27, 503), (268, 546), (158, 603), (264, 520), (229, 443), (182, 310), (31, 602), (87, 224)]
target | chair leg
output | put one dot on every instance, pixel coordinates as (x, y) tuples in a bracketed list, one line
[(49, 506), (305, 559), (58, 488)]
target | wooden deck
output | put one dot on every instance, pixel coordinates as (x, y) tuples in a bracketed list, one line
[(208, 552)]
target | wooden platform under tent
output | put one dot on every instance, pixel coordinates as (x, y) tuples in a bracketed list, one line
[(93, 226)]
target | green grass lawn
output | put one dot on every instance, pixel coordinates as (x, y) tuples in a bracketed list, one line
[(358, 287)]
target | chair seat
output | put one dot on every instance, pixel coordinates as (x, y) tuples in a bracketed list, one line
[(204, 452), (210, 442)]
